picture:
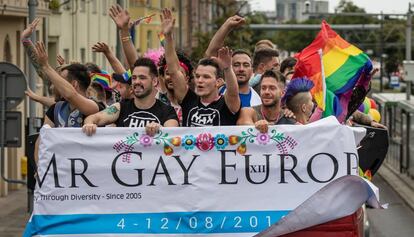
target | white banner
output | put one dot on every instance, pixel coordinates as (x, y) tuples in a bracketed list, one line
[(219, 181)]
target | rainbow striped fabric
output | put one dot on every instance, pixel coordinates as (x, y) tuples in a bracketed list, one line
[(161, 37), (103, 79), (336, 67)]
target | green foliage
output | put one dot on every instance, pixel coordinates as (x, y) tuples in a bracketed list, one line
[(242, 38), (54, 5)]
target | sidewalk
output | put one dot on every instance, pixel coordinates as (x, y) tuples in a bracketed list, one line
[(13, 213), (402, 185)]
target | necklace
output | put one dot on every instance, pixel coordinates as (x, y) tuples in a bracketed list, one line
[(267, 119)]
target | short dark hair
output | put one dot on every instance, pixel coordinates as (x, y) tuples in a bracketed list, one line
[(93, 68), (287, 63), (272, 74), (182, 57), (211, 62), (263, 55), (241, 51), (146, 62), (78, 72)]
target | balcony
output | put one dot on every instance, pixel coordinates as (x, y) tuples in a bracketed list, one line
[(20, 8)]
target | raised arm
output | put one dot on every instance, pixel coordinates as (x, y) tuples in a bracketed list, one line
[(122, 20), (66, 90), (232, 94), (218, 39), (173, 64), (101, 47), (102, 118), (46, 101), (29, 46)]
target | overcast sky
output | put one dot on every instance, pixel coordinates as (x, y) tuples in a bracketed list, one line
[(371, 6)]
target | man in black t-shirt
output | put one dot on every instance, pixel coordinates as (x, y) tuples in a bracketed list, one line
[(204, 107), (141, 111)]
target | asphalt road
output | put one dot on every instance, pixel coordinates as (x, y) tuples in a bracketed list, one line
[(397, 220)]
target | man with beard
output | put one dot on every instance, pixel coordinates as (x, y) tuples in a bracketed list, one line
[(270, 111), (141, 111), (242, 67), (204, 107), (242, 62)]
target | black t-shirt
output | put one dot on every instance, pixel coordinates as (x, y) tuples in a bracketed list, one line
[(131, 116), (50, 113), (195, 114)]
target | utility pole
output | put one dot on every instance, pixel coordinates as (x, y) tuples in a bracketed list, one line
[(408, 33), (118, 42), (32, 72)]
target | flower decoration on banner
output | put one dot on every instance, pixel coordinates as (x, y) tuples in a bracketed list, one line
[(206, 141), (145, 140), (188, 142), (221, 141)]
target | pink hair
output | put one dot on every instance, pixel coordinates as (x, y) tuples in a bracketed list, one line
[(154, 54)]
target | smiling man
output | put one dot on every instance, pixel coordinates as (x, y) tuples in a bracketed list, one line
[(141, 111), (204, 107)]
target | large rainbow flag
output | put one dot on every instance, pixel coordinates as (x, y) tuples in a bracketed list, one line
[(336, 67)]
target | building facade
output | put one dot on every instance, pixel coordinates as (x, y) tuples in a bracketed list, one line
[(13, 20), (287, 10)]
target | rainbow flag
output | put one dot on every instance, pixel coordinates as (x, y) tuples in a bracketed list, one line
[(336, 67), (103, 79), (161, 37)]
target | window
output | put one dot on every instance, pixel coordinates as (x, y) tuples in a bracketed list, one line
[(162, 4), (103, 64), (149, 39), (292, 9), (66, 55), (7, 50), (82, 53), (94, 58), (94, 6), (280, 11), (82, 6), (104, 7)]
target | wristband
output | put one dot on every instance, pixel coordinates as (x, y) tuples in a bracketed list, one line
[(126, 38)]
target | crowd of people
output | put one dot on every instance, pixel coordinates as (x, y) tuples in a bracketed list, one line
[(226, 87)]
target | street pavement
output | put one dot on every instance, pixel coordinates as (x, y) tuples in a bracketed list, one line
[(397, 220)]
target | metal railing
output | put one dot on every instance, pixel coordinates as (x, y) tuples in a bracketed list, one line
[(398, 115)]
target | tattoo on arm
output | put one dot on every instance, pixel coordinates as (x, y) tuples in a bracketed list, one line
[(111, 110), (28, 45)]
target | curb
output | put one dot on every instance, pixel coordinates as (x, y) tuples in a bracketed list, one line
[(401, 185)]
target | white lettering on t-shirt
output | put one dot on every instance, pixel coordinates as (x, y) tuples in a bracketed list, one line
[(140, 119), (200, 117)]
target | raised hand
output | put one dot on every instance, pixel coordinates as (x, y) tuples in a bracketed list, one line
[(234, 21), (60, 60), (41, 54), (167, 22), (30, 29), (100, 47), (120, 16), (223, 58)]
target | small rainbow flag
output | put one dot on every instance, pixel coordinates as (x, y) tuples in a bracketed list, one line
[(336, 67), (146, 19), (103, 79), (161, 37)]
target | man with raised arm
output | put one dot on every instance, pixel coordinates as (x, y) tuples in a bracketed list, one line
[(141, 111), (122, 20), (242, 62), (204, 107)]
